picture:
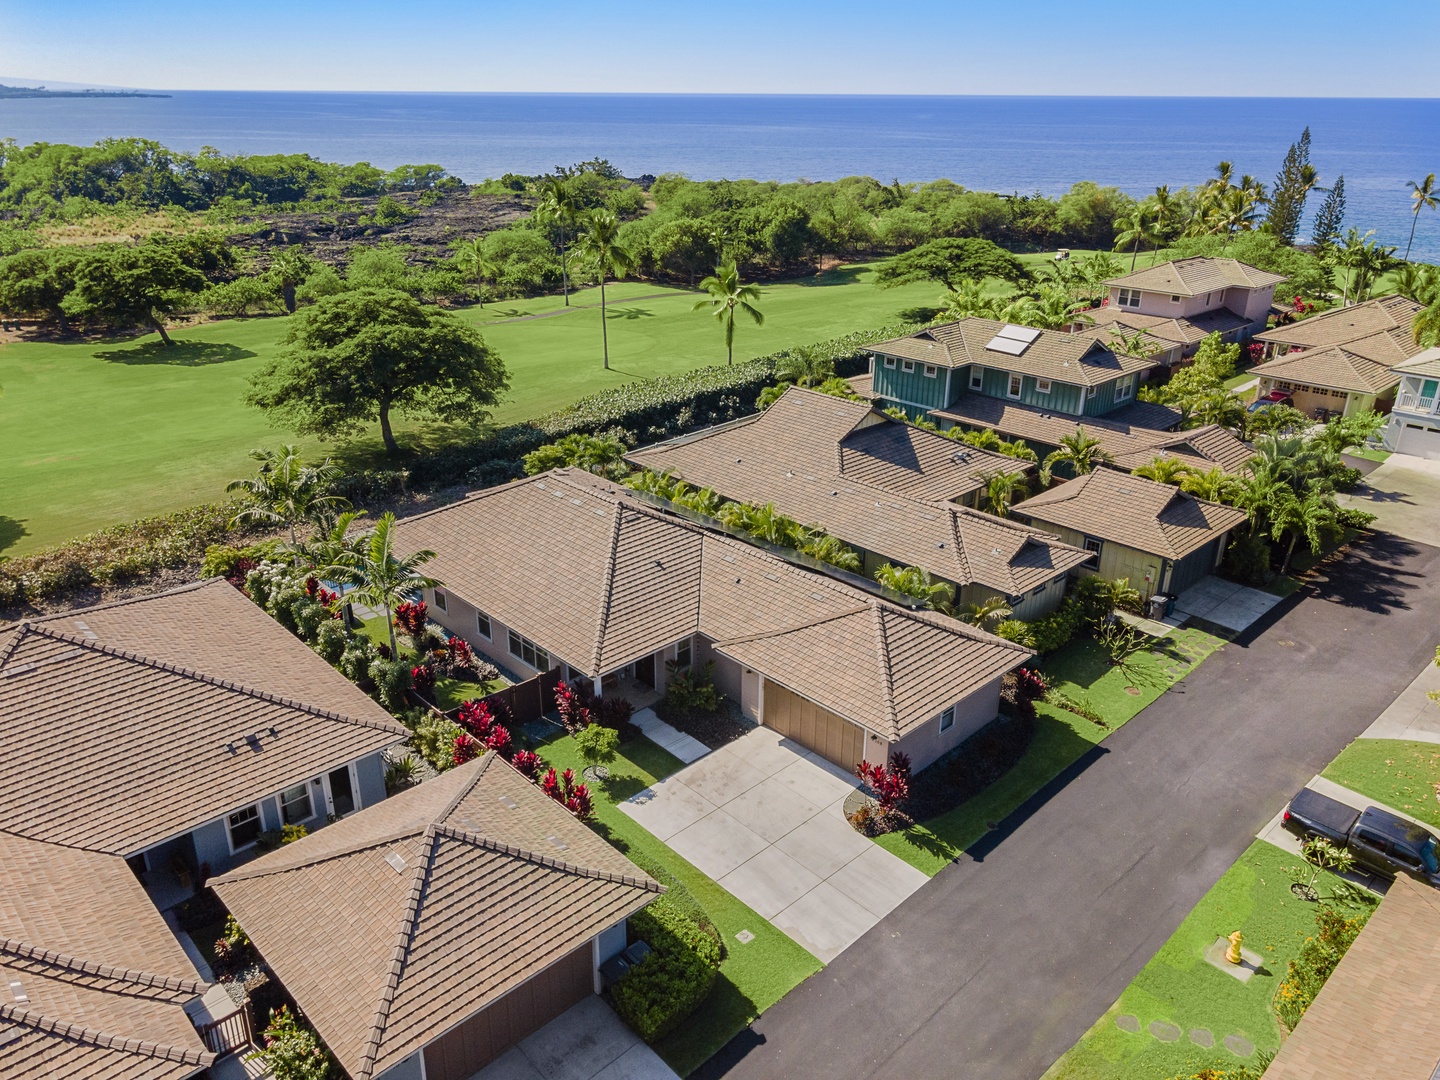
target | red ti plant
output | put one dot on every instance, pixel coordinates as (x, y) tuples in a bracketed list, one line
[(1030, 684), (312, 586), (563, 789), (458, 656), (527, 762), (890, 786), (411, 616), (573, 707), (423, 676), (550, 784), (474, 717), (579, 803), (466, 749), (499, 740)]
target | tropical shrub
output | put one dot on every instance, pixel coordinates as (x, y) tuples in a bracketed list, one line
[(411, 617), (355, 662), (573, 707), (1306, 974), (392, 683), (1016, 630), (692, 689), (612, 712), (890, 786), (271, 839), (401, 773), (1054, 631), (564, 790), (422, 678), (1348, 517), (293, 1051), (655, 995), (330, 641), (597, 744), (1247, 560), (434, 740)]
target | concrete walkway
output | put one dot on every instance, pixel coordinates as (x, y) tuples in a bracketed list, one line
[(1412, 716), (1404, 494), (763, 817), (685, 747), (587, 1042), (1224, 603)]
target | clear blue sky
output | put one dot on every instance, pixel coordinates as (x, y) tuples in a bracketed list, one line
[(1323, 48)]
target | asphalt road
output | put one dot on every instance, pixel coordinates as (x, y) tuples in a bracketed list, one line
[(1005, 959)]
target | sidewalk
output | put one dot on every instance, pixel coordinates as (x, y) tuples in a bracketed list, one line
[(1412, 716)]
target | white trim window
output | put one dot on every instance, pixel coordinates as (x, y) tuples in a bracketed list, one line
[(1042, 386), (1128, 298), (1125, 388), (1090, 392), (931, 371), (1174, 299), (685, 654), (440, 601), (1017, 383), (242, 827), (482, 625), (889, 361), (977, 378), (295, 804), (947, 719), (528, 653), (907, 366)]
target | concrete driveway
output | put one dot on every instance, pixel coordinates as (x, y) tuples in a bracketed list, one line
[(1404, 494), (763, 817), (1224, 603), (586, 1042)]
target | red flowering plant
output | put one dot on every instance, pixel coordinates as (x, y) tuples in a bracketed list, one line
[(475, 717), (467, 748), (312, 586), (1030, 684), (499, 740), (573, 705), (890, 786), (411, 616), (459, 659), (527, 762), (423, 678)]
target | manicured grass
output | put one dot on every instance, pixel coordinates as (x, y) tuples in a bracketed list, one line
[(1403, 775), (754, 975), (1081, 670), (1177, 986), (451, 693), (1368, 454), (99, 433)]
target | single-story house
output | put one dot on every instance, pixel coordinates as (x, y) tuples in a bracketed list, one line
[(567, 570), (425, 936), (848, 469), (1376, 1015), (1184, 300), (1160, 538), (1414, 426), (204, 721), (1341, 361), (97, 986)]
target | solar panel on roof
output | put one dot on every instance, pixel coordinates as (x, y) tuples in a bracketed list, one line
[(1009, 346), (1026, 334)]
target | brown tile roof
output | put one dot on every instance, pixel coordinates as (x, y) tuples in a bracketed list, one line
[(1388, 317), (1150, 517), (864, 385), (1425, 363), (1080, 357), (786, 457), (103, 981), (1199, 274), (1335, 368), (1379, 1012), (1122, 433), (1180, 330), (193, 746), (613, 578), (397, 923)]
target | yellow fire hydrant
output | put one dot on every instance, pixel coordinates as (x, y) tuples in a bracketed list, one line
[(1232, 954)]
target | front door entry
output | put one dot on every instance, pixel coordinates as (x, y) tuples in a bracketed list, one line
[(645, 670), (342, 794)]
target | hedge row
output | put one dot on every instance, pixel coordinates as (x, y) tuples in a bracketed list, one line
[(658, 993)]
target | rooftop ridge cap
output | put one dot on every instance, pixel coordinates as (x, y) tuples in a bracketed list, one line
[(104, 1040), (961, 554), (403, 936), (887, 677), (474, 496), (253, 871), (54, 958), (607, 599), (209, 680), (21, 630), (794, 627), (548, 861)]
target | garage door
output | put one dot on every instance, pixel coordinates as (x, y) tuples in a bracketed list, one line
[(1420, 441), (832, 737), (489, 1033)]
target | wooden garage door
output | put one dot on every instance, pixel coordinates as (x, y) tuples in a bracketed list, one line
[(468, 1048), (832, 737)]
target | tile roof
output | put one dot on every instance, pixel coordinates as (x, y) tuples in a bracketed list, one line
[(601, 577), (1198, 274), (1379, 1012), (102, 981), (1388, 317), (1155, 518), (397, 923), (1336, 368), (786, 457), (1123, 433), (1080, 357), (194, 745), (1425, 363), (1178, 330)]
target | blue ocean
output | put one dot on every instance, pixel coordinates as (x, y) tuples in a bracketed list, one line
[(1006, 144)]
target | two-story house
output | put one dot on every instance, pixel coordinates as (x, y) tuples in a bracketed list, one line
[(1040, 386), (1414, 426), (1184, 301)]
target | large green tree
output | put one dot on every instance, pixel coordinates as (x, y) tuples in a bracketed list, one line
[(130, 286), (599, 245), (950, 261), (1292, 185), (727, 296), (357, 357), (37, 281)]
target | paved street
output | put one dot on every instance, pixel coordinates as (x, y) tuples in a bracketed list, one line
[(999, 964)]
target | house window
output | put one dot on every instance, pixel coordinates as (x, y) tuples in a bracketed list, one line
[(440, 600), (527, 651), (889, 361), (1092, 544), (1042, 386), (1124, 388), (684, 653), (295, 804), (243, 827), (1089, 392), (482, 624), (947, 719), (1038, 590), (907, 365), (930, 371), (1129, 298), (1015, 384), (977, 378), (1174, 299)]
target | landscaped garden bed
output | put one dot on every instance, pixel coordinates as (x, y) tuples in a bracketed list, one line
[(693, 705)]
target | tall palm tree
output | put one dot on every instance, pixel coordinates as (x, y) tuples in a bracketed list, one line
[(1422, 196), (1367, 259), (1163, 470), (1312, 515), (1138, 227), (557, 207), (285, 491), (379, 577), (470, 256), (915, 582), (727, 295), (599, 244), (1000, 491), (290, 268), (1079, 451)]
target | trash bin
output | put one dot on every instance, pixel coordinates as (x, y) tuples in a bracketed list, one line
[(1158, 606)]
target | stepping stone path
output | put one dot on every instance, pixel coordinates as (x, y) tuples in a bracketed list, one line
[(1239, 1045), (1165, 1031), (1202, 1037), (1129, 1023)]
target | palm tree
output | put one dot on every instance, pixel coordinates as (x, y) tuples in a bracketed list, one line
[(1418, 282), (803, 365), (1163, 470), (290, 268), (285, 491), (599, 243), (915, 582), (470, 256), (727, 295), (1312, 515), (1079, 451), (379, 577), (967, 299), (1138, 227), (1166, 206), (1051, 310), (1213, 485), (1218, 406), (1422, 196), (1000, 491), (832, 550), (1426, 327), (992, 610), (1367, 258), (557, 207)]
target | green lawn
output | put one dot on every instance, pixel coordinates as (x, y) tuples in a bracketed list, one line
[(1403, 775), (99, 433), (1368, 454), (1080, 669), (753, 975), (1178, 987)]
